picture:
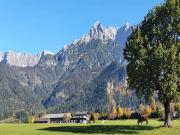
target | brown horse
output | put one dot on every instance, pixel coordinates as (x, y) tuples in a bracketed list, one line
[(143, 118)]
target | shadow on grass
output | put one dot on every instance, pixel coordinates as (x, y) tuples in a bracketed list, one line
[(101, 129)]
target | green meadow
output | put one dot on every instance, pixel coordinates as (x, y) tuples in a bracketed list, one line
[(119, 127)]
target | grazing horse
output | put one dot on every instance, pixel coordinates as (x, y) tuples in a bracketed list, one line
[(143, 118)]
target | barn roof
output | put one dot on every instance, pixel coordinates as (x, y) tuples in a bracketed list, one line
[(58, 115)]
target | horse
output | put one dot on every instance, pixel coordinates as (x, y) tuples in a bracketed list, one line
[(142, 118)]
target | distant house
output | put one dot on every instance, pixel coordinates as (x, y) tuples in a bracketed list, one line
[(80, 117), (53, 118)]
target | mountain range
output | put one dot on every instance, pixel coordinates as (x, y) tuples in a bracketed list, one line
[(88, 74)]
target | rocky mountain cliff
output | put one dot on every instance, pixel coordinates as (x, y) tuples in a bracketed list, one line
[(22, 59), (88, 74)]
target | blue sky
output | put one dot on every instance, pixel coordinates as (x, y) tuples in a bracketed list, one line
[(36, 25)]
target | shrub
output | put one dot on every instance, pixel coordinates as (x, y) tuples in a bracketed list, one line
[(147, 111), (22, 116), (153, 105), (127, 113), (94, 117), (119, 112), (30, 119), (141, 109), (113, 114), (160, 111), (103, 116)]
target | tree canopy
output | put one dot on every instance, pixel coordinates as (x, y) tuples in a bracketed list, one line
[(153, 55)]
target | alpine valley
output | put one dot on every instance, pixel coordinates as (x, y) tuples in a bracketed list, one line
[(86, 75)]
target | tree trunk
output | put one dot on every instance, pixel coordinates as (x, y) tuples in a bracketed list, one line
[(167, 121)]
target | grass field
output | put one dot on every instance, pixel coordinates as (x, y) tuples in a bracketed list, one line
[(120, 127)]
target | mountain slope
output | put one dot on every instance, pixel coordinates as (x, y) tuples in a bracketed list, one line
[(24, 88), (88, 74), (84, 60), (110, 89), (92, 59)]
